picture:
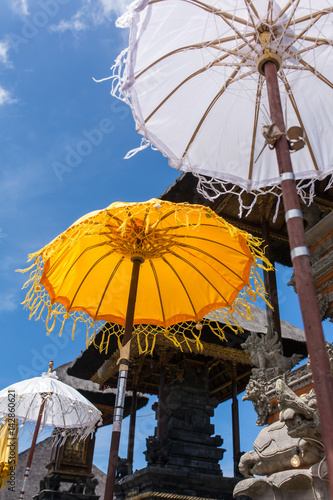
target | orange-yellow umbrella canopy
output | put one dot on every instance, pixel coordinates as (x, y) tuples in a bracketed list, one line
[(193, 262), (8, 451)]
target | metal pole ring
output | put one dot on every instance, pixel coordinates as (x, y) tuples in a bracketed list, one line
[(299, 251), (294, 212), (287, 176)]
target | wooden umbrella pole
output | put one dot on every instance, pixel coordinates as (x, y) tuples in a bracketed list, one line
[(32, 449), (235, 420), (122, 381), (131, 432), (322, 379)]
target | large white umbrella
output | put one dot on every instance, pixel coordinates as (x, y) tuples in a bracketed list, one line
[(203, 76), (193, 77), (47, 401)]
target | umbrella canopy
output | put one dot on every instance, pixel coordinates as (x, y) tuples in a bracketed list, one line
[(65, 408), (192, 262), (8, 450), (211, 54)]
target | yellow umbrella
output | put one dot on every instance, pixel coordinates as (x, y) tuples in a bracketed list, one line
[(8, 451), (152, 263), (192, 262)]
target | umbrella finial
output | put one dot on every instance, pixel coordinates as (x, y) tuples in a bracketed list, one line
[(50, 367)]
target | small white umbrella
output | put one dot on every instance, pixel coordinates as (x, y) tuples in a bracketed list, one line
[(47, 401)]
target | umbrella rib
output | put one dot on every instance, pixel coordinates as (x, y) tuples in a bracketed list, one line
[(92, 247), (188, 78), (213, 102), (79, 421), (283, 11), (319, 15), (107, 285), (322, 12), (270, 11), (286, 26), (30, 406), (62, 410), (203, 252), (255, 125), (249, 4), (199, 272), (202, 45), (310, 68), (209, 241), (317, 42), (182, 283), (158, 288), (210, 9), (294, 104), (87, 274)]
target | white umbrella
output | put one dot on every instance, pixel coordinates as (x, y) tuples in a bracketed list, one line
[(202, 77), (47, 401), (193, 77)]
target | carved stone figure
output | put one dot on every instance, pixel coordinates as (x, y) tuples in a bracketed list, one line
[(77, 486), (299, 414), (298, 426), (266, 353), (273, 451), (52, 481), (275, 445), (157, 451), (122, 468), (255, 392), (90, 487)]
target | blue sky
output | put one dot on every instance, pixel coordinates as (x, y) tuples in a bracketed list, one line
[(62, 143)]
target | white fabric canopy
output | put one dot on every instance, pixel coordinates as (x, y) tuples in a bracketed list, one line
[(190, 76), (65, 407)]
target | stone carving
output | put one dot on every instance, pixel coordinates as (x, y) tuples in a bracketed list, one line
[(266, 354), (157, 451), (299, 414), (122, 468), (50, 482), (329, 351), (274, 447), (77, 486), (323, 303), (255, 392), (90, 487)]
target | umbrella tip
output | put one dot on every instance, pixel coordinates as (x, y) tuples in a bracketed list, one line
[(50, 366)]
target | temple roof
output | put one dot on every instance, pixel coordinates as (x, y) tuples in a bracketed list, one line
[(222, 358), (227, 206)]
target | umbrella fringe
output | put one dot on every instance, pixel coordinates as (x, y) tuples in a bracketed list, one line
[(212, 188)]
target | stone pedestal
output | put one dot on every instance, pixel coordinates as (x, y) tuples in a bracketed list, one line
[(184, 462), (62, 495), (157, 482)]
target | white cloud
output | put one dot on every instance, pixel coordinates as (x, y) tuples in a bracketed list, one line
[(8, 302), (91, 14), (5, 97), (4, 49), (75, 24), (20, 7)]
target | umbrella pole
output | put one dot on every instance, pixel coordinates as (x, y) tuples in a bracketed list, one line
[(32, 449), (122, 381), (131, 432), (322, 379), (235, 420)]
